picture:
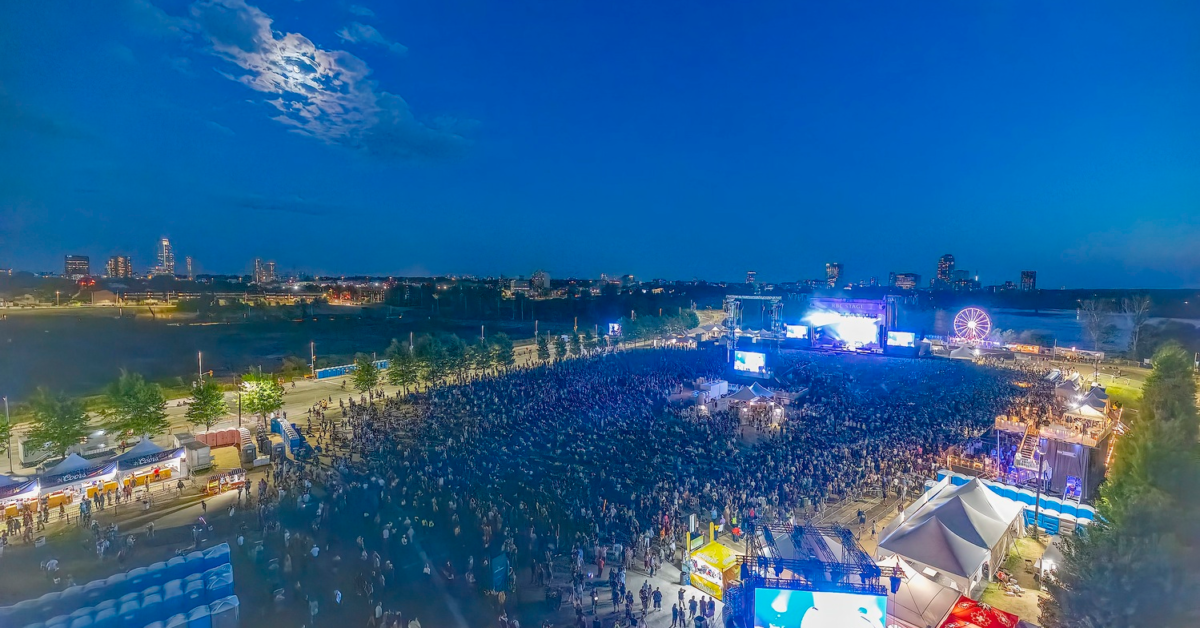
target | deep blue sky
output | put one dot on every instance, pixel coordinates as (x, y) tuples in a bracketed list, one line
[(665, 139)]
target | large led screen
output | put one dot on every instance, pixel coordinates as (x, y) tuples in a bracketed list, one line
[(902, 339), (750, 362), (796, 331), (777, 608)]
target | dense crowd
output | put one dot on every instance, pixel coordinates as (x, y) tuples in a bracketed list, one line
[(601, 460)]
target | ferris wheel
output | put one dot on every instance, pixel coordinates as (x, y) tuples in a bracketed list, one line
[(972, 324)]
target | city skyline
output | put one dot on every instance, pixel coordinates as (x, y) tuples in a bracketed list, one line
[(495, 140)]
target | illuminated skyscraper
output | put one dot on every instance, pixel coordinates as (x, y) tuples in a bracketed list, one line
[(751, 276), (188, 260), (945, 270), (1029, 280), (119, 267), (833, 274), (76, 266), (264, 272), (166, 258)]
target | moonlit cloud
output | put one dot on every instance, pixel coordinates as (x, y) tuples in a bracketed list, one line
[(361, 11), (359, 33), (324, 94)]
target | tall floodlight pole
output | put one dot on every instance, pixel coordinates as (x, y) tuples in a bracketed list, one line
[(200, 365), (312, 352), (8, 445)]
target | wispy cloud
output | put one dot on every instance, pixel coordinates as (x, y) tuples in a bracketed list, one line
[(219, 128), (359, 33), (320, 93), (361, 11)]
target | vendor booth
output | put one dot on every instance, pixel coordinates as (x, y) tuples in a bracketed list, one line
[(714, 567), (75, 477), (146, 463), (14, 492), (956, 535)]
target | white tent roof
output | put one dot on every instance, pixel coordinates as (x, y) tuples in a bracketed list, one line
[(919, 602), (143, 448), (1087, 412), (752, 392), (963, 353), (955, 530), (1053, 375), (73, 462), (932, 543)]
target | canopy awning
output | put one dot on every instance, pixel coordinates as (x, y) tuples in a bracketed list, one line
[(967, 613)]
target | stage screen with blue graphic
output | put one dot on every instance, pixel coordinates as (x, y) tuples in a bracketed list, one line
[(750, 362), (795, 331), (779, 608), (901, 339)]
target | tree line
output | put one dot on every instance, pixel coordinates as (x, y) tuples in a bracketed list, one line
[(1136, 565)]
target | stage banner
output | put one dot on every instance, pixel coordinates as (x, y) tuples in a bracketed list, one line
[(858, 307), (149, 459), (16, 489), (71, 477)]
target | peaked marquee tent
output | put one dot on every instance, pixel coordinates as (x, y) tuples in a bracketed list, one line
[(956, 531)]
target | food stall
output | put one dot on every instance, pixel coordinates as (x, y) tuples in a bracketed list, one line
[(714, 567), (146, 463), (15, 491), (221, 482), (75, 477)]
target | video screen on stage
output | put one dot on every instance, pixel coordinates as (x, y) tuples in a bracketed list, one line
[(614, 329), (778, 608), (902, 339), (796, 331), (750, 362)]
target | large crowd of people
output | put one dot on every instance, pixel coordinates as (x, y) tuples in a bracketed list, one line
[(590, 467)]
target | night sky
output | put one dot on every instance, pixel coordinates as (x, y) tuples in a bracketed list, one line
[(664, 139)]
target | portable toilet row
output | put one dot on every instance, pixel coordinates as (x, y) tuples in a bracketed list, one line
[(106, 593)]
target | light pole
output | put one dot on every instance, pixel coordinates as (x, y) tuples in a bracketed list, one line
[(8, 445), (200, 365), (57, 301), (239, 389), (1037, 504)]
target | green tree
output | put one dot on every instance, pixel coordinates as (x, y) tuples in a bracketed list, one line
[(366, 374), (262, 394), (481, 355), (403, 368), (207, 405), (135, 407), (431, 355), (589, 341), (59, 421), (560, 347), (503, 354), (543, 348), (1130, 567), (575, 346)]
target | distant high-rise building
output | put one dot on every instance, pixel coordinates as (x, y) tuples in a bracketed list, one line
[(166, 258), (904, 281), (540, 280), (945, 270), (962, 280), (1029, 280), (119, 267), (264, 272), (77, 266), (628, 281), (751, 276), (833, 274), (891, 279), (190, 275)]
